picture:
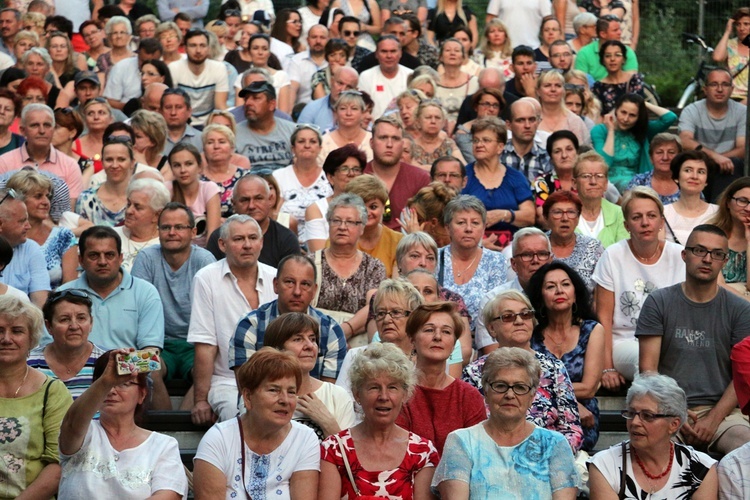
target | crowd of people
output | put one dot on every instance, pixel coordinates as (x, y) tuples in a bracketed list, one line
[(390, 255)]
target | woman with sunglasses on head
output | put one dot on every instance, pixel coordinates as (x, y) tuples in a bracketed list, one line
[(348, 113), (510, 320), (116, 442), (33, 405), (70, 356), (652, 464)]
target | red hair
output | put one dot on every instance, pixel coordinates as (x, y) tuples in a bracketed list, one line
[(560, 196), (32, 82)]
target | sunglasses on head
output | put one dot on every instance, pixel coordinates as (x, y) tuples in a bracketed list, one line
[(11, 193), (72, 292)]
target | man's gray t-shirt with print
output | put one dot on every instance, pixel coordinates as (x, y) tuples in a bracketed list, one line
[(272, 150), (716, 134), (697, 339)]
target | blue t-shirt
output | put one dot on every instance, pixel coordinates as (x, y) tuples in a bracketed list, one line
[(513, 191)]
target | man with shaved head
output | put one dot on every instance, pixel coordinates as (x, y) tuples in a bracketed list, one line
[(320, 111), (521, 152), (303, 66)]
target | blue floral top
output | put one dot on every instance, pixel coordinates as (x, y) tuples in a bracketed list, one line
[(644, 179), (554, 406), (491, 271), (735, 270), (573, 361), (59, 241), (90, 207), (586, 253), (537, 467)]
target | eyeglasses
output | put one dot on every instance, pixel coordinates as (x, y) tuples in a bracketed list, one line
[(485, 141), (645, 415), (701, 252), (349, 170), (310, 126), (491, 105), (344, 223), (596, 177), (509, 317), (741, 202), (716, 85), (573, 86), (348, 33), (502, 388), (293, 21), (218, 22), (11, 193), (177, 227), (558, 214), (394, 313), (126, 385), (529, 256), (351, 92), (72, 292), (610, 17), (66, 111)]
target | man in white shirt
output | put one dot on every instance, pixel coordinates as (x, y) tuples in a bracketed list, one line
[(124, 79), (304, 65), (204, 79), (522, 18), (388, 79), (223, 293)]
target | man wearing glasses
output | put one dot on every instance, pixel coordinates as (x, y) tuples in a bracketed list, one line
[(716, 124), (687, 331)]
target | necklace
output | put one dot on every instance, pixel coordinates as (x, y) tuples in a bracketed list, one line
[(458, 274), (68, 370), (655, 477), (15, 394), (644, 259)]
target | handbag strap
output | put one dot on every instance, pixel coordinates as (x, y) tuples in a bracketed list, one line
[(623, 475), (318, 276), (672, 231), (441, 274), (342, 450), (242, 462)]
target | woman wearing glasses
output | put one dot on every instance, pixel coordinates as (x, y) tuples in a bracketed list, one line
[(652, 464), (733, 217), (486, 103), (432, 142), (286, 34), (93, 34), (119, 32), (618, 82), (569, 331), (70, 356), (510, 320), (348, 113)]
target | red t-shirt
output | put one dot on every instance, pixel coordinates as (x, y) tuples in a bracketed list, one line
[(741, 374), (409, 180)]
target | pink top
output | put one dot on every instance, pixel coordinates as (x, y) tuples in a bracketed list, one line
[(56, 163), (206, 191)]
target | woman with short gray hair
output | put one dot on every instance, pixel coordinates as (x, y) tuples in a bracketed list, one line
[(146, 200), (119, 32), (464, 266), (347, 273), (656, 465)]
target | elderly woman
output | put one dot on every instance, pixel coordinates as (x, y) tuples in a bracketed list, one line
[(146, 200), (226, 118), (464, 266), (399, 463), (426, 210), (568, 330), (70, 356), (432, 143), (732, 53), (324, 407), (119, 32), (434, 330), (624, 136), (550, 90), (481, 461), (348, 112), (93, 34), (487, 103), (346, 273), (33, 406), (114, 441), (22, 42), (454, 85), (37, 64), (733, 217), (303, 182), (340, 167), (150, 131), (690, 171), (170, 36), (218, 147), (652, 463), (662, 149), (599, 218), (504, 192), (510, 320), (234, 456), (618, 82), (58, 243), (97, 115), (407, 103), (106, 203), (562, 212), (377, 240), (336, 53), (627, 273)]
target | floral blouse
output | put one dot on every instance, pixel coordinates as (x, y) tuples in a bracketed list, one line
[(583, 259), (349, 295), (421, 157), (735, 270), (226, 188), (644, 179), (554, 406), (608, 93)]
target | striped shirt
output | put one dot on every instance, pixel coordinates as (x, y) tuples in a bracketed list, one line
[(78, 382)]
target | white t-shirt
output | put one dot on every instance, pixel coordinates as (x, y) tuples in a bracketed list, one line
[(283, 51), (201, 88), (522, 19), (683, 226), (97, 470), (266, 476), (631, 281), (298, 197), (316, 229), (383, 90), (338, 401)]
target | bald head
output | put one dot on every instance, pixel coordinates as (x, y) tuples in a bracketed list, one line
[(491, 78), (524, 106), (316, 40), (344, 78), (152, 94)]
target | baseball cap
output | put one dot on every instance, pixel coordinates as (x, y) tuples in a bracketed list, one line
[(259, 87), (87, 76)]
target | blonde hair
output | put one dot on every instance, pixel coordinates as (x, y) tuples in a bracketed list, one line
[(552, 76), (459, 10), (26, 181), (382, 359), (505, 50), (592, 108), (368, 187), (153, 125), (222, 129), (641, 193), (12, 307)]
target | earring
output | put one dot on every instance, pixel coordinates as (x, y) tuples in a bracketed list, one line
[(542, 313), (575, 308)]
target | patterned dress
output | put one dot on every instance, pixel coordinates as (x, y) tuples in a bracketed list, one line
[(421, 157), (574, 361), (554, 406), (735, 270), (90, 207), (349, 295), (644, 179), (59, 241), (394, 483), (225, 190), (608, 93), (583, 259)]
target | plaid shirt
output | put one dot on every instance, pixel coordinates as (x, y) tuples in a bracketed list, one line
[(535, 163), (250, 331)]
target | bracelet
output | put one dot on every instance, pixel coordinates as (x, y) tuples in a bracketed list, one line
[(512, 216), (351, 329), (609, 370)]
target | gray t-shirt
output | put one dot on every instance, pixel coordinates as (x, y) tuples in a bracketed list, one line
[(697, 339), (272, 151), (174, 287), (716, 134)]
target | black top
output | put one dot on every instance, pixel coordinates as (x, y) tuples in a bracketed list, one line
[(467, 113), (442, 26), (138, 10), (233, 58), (370, 61), (278, 242)]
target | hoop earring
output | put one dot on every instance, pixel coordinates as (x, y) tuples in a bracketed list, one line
[(575, 308), (542, 313)]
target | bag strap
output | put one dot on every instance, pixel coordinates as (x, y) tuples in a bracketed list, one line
[(318, 276), (623, 475), (242, 462), (342, 450), (441, 274), (44, 410), (672, 231)]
